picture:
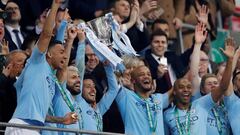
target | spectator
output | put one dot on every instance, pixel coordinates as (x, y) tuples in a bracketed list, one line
[(136, 32), (161, 24), (173, 14), (13, 32), (165, 66), (13, 67)]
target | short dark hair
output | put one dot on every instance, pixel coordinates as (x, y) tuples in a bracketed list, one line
[(53, 42), (90, 77), (158, 33), (235, 74), (159, 21)]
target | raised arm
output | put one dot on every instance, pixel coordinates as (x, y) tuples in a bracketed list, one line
[(235, 60), (47, 32), (62, 73), (112, 91), (200, 37), (218, 92), (133, 17), (80, 57)]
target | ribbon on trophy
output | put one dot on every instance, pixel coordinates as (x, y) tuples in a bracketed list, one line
[(124, 47), (99, 32), (100, 49)]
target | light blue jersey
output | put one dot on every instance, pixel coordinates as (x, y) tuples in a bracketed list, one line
[(61, 108), (198, 117), (232, 104), (92, 118), (220, 126), (35, 89), (134, 112), (215, 126)]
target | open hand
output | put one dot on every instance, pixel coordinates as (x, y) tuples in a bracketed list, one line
[(4, 46), (202, 15), (200, 33), (229, 48)]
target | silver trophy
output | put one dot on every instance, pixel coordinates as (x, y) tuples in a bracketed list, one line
[(102, 28)]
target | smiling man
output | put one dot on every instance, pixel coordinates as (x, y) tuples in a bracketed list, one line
[(141, 111), (93, 111), (165, 66), (188, 117)]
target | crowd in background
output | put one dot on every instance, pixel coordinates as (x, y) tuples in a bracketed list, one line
[(51, 74)]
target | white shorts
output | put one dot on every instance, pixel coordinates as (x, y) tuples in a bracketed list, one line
[(20, 131)]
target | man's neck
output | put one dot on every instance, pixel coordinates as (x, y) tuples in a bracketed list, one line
[(50, 64), (122, 19), (94, 105), (143, 95), (13, 25), (183, 106)]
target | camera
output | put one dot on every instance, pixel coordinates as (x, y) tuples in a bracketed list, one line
[(4, 15)]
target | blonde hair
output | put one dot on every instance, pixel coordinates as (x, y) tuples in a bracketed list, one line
[(132, 61)]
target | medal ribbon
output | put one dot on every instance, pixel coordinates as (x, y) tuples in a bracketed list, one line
[(181, 130), (153, 125), (67, 100)]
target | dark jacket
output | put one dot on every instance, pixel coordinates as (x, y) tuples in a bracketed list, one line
[(12, 46), (8, 98), (179, 64)]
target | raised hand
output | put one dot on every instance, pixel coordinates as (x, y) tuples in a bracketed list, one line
[(153, 15), (4, 46), (200, 33), (177, 23), (148, 6), (202, 15), (81, 35), (229, 48), (72, 33), (161, 70), (42, 18), (134, 12), (66, 15), (7, 70)]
